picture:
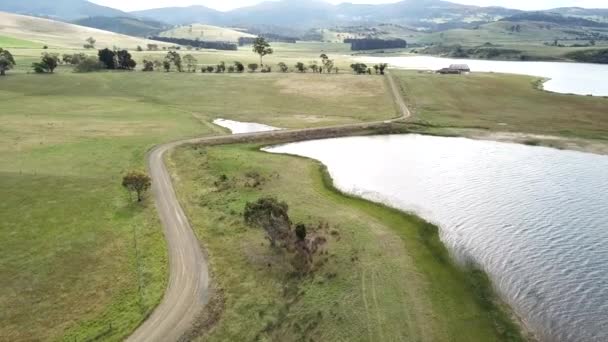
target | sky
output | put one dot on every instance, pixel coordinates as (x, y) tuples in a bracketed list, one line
[(224, 5)]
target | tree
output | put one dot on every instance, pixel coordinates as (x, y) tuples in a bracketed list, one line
[(7, 61), (175, 58), (239, 67), (48, 63), (124, 60), (220, 68), (210, 68), (252, 67), (190, 63), (152, 47), (148, 65), (382, 67), (167, 65), (377, 68), (328, 64), (262, 48), (314, 67), (301, 67), (90, 43), (301, 231), (283, 67), (108, 58), (359, 68), (137, 182), (272, 216)]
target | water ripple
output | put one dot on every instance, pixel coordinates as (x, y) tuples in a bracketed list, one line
[(536, 219)]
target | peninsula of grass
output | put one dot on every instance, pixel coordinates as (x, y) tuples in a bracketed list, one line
[(501, 103), (80, 259), (386, 277)]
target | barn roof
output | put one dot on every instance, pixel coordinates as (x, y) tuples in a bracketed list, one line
[(460, 67)]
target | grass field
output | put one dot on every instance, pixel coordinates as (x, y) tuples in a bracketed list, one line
[(387, 277), (505, 103), (80, 260)]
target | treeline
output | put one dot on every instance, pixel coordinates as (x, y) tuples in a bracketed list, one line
[(599, 56), (375, 44), (198, 43), (270, 37)]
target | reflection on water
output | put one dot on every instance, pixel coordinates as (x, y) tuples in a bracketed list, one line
[(536, 219), (237, 127), (573, 78)]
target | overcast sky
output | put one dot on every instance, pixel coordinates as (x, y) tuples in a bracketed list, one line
[(130, 5)]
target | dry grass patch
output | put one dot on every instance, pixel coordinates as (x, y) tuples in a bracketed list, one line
[(315, 86)]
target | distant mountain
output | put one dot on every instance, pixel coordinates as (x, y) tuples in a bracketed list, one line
[(66, 10), (433, 14), (125, 25), (183, 15)]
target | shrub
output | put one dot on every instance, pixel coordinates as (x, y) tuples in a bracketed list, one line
[(283, 67), (89, 64), (253, 67)]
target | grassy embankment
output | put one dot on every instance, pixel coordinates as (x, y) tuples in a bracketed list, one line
[(388, 277), (485, 103), (78, 256)]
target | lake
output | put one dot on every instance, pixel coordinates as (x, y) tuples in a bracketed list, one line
[(534, 218), (567, 78)]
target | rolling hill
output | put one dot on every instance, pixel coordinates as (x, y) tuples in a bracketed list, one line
[(125, 25), (59, 34), (433, 14), (67, 10), (205, 33), (182, 15)]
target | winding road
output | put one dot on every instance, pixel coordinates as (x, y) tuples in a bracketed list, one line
[(188, 290)]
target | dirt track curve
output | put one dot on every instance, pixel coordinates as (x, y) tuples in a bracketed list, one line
[(188, 290)]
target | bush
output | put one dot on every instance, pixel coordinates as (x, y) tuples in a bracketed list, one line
[(89, 64), (253, 67), (301, 67), (283, 67)]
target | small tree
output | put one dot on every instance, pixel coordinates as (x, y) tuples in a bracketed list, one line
[(301, 67), (108, 58), (314, 67), (262, 48), (7, 61), (90, 43), (253, 67), (137, 182), (271, 215), (239, 67), (283, 67), (382, 68), (148, 65), (220, 68), (48, 63), (359, 68), (124, 60), (175, 58), (139, 48), (167, 65), (190, 63)]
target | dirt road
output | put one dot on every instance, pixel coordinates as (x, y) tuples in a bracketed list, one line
[(188, 290)]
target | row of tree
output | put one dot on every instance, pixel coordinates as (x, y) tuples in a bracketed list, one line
[(361, 68)]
